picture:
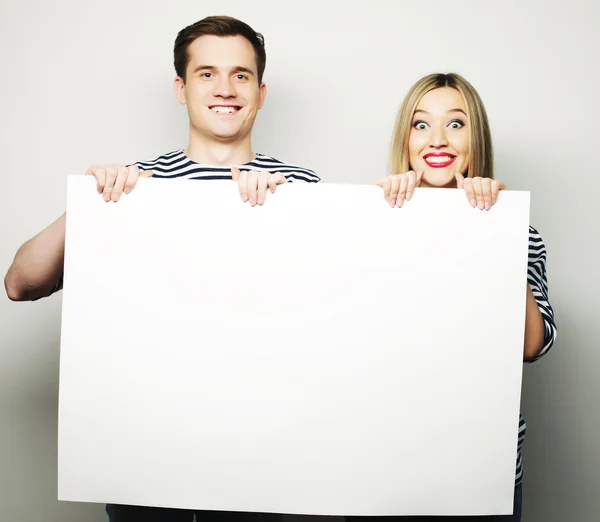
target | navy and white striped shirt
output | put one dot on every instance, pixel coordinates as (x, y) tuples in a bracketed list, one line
[(177, 165), (536, 276)]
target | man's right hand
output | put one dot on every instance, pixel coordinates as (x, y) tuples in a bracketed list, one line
[(115, 179)]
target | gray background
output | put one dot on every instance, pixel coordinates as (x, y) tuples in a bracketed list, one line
[(83, 84)]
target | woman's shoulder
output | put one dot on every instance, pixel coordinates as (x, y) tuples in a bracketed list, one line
[(537, 248), (534, 236)]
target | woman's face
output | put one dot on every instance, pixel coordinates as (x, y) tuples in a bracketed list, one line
[(438, 144)]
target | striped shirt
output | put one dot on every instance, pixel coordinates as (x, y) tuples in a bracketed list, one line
[(176, 165), (536, 276)]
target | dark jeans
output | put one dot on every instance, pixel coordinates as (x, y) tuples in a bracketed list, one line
[(119, 513), (515, 517)]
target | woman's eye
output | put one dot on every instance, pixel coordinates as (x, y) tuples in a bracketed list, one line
[(456, 124), (420, 125)]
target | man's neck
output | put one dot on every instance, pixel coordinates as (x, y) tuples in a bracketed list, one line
[(211, 152)]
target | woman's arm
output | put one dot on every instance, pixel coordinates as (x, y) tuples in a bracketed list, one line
[(540, 328)]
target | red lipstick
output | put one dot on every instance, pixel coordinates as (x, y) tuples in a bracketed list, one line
[(437, 163)]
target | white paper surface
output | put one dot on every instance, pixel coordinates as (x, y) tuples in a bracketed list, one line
[(322, 354)]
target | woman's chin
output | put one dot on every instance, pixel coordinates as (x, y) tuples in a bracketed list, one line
[(439, 179)]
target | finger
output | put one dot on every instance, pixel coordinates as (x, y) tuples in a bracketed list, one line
[(387, 188), (120, 180), (395, 187), (495, 189), (276, 179), (411, 184), (486, 189), (242, 185), (146, 173), (111, 176), (100, 175), (252, 186), (404, 180), (469, 191), (497, 186), (419, 177), (460, 180), (235, 173), (261, 187), (478, 192), (133, 173)]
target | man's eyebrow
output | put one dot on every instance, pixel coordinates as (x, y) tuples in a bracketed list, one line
[(203, 67), (239, 68), (236, 69)]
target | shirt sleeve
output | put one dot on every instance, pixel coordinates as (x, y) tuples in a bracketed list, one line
[(536, 276)]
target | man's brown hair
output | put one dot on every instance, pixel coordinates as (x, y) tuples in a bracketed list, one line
[(217, 26)]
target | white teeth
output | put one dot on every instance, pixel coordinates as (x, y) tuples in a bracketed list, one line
[(439, 159), (224, 110)]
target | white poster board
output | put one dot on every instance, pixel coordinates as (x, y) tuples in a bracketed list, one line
[(322, 354)]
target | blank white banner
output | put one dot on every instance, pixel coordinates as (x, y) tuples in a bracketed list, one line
[(322, 354)]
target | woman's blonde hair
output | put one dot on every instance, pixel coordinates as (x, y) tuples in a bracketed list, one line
[(481, 157)]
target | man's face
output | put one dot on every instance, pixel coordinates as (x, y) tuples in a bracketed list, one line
[(221, 89)]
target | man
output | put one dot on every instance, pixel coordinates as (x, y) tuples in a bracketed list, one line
[(219, 63)]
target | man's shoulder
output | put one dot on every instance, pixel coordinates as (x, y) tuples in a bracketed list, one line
[(291, 171), (164, 162)]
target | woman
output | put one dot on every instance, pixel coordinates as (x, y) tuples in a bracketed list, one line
[(442, 139)]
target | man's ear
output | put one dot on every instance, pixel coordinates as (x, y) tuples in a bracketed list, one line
[(262, 90), (179, 87)]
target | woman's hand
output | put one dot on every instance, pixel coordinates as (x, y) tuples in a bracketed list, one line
[(398, 188), (481, 192)]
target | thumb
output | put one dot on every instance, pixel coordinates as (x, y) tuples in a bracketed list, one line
[(146, 173), (460, 180), (235, 173)]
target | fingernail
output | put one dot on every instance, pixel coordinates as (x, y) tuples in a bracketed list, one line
[(480, 205), (392, 203), (408, 196), (473, 202), (400, 202), (488, 206)]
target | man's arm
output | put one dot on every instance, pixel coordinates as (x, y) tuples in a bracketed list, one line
[(38, 266), (37, 270)]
